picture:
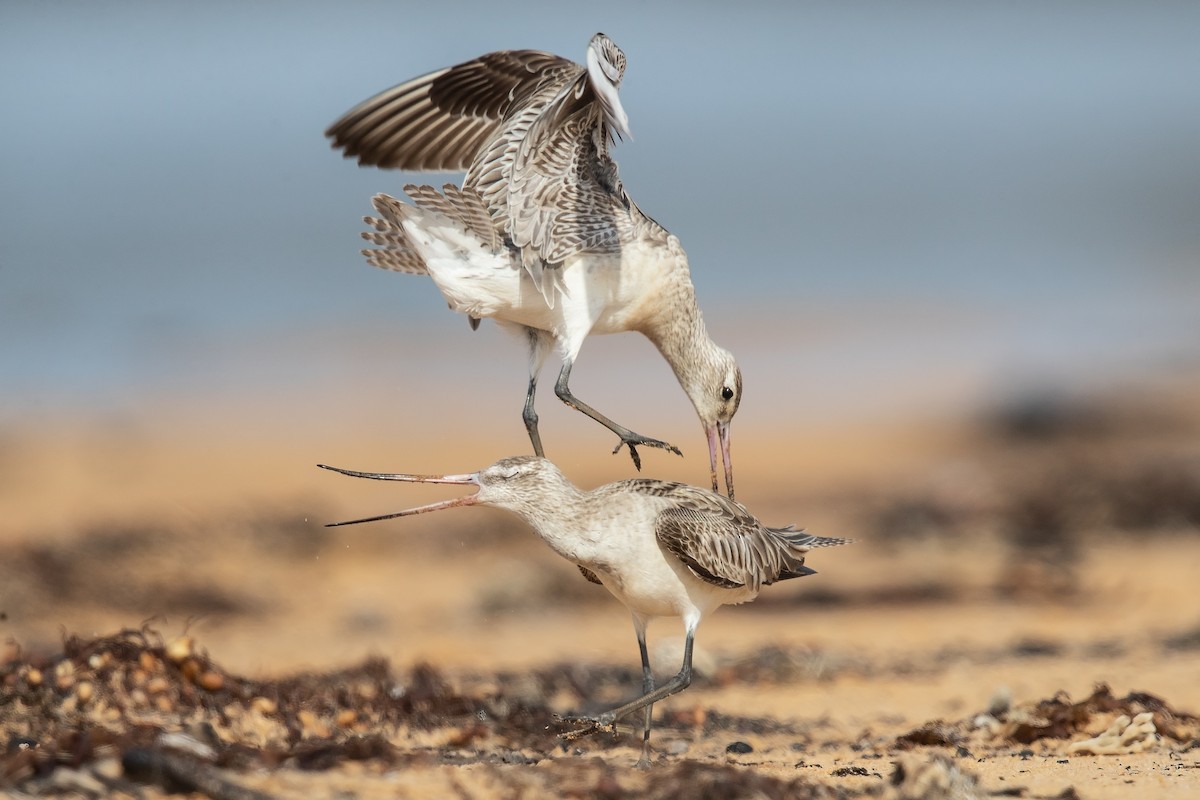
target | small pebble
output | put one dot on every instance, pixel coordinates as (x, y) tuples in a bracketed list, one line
[(312, 725), (676, 747), (264, 705), (740, 748), (180, 649), (64, 675), (190, 669), (84, 691), (211, 681), (186, 743)]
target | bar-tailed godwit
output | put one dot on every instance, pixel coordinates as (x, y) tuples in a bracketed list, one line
[(661, 548), (542, 236)]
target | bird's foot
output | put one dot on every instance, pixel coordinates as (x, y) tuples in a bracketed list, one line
[(587, 726), (633, 440)]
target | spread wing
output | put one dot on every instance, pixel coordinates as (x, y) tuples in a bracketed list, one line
[(440, 122), (724, 544), (564, 195), (531, 129)]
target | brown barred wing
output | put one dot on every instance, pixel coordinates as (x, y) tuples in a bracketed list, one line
[(442, 121)]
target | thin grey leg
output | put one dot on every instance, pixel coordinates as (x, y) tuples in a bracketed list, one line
[(628, 437), (647, 688), (681, 681), (539, 345), (531, 418)]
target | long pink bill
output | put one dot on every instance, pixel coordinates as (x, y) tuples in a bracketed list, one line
[(718, 438), (469, 500)]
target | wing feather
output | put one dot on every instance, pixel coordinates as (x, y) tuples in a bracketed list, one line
[(724, 544), (462, 207), (532, 130), (461, 107)]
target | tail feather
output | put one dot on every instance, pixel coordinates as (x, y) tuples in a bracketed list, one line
[(396, 251), (464, 206), (798, 538), (458, 218), (396, 261)]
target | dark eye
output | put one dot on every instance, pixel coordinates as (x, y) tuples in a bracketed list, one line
[(726, 393)]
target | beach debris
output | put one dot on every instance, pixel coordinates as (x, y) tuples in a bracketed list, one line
[(935, 733), (1123, 737)]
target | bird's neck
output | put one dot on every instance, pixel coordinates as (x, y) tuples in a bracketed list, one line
[(679, 332), (559, 516)]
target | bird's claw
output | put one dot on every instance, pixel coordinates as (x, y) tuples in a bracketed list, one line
[(632, 441), (588, 727), (637, 460)]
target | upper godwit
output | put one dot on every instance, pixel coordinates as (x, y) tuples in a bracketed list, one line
[(543, 235), (661, 548)]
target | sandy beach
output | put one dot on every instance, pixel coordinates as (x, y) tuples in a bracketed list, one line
[(1033, 561)]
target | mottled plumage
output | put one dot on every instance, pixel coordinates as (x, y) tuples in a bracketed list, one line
[(661, 548), (568, 252)]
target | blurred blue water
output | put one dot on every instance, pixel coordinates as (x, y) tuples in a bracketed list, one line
[(1032, 168)]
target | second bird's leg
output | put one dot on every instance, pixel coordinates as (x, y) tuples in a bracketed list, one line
[(628, 437), (647, 688), (607, 721), (531, 418), (539, 345), (681, 681)]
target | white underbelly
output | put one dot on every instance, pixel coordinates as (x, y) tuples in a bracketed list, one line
[(654, 583), (594, 294)]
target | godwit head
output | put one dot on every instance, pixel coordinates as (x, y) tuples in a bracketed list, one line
[(519, 484), (714, 385)]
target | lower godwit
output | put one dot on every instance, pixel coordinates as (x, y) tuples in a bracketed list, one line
[(664, 549), (543, 235)]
